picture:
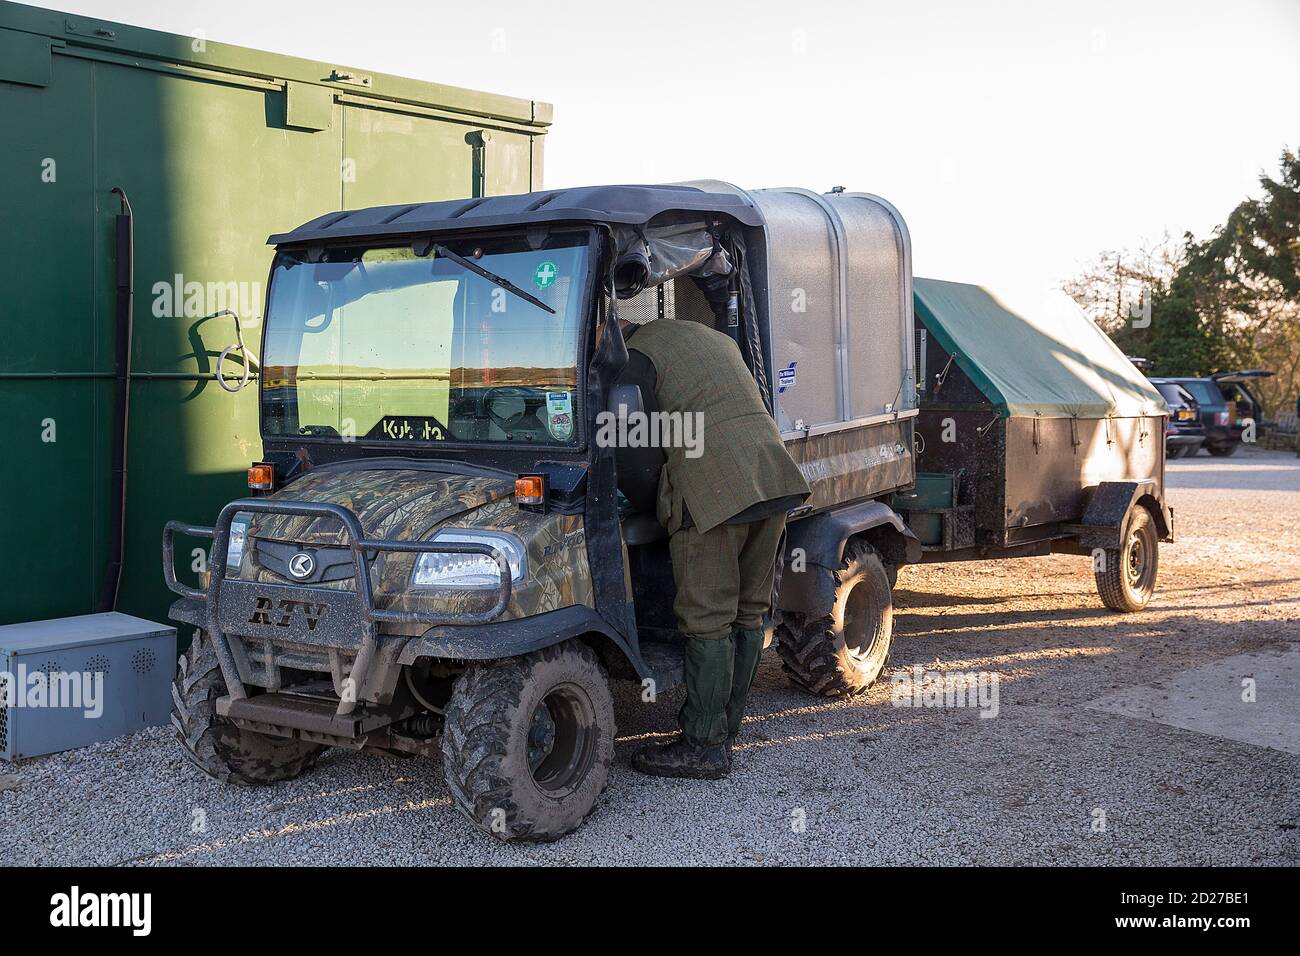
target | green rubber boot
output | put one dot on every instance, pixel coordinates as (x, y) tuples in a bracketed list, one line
[(701, 750), (749, 648)]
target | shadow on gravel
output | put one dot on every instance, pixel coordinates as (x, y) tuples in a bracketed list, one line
[(1229, 586), (1102, 650)]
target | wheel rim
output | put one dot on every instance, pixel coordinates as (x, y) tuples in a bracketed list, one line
[(1136, 565), (1139, 558), (561, 739), (860, 636)]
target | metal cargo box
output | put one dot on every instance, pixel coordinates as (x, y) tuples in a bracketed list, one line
[(109, 674), (833, 286)]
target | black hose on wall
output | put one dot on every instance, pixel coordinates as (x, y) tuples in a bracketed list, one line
[(121, 402)]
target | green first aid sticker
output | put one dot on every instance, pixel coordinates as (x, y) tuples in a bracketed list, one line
[(545, 275)]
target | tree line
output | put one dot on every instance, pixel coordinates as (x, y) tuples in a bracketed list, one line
[(1200, 306)]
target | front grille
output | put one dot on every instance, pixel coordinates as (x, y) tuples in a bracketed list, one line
[(331, 564)]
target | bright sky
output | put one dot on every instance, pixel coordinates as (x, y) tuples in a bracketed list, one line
[(1017, 138)]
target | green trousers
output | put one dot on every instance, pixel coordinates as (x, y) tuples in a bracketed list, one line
[(724, 587), (724, 576)]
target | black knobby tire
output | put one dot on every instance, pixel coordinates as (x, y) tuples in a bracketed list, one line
[(1127, 579), (214, 745), (528, 742), (843, 652), (1222, 451)]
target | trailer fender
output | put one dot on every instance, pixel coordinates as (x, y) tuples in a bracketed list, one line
[(1109, 503), (814, 550), (511, 638)]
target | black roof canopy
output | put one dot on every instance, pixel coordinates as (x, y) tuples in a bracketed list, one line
[(627, 205)]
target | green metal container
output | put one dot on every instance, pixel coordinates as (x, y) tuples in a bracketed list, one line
[(932, 494), (217, 147)]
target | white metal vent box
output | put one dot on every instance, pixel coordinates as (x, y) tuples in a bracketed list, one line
[(73, 681)]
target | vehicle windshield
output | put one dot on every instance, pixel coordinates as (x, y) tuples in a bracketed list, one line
[(381, 344)]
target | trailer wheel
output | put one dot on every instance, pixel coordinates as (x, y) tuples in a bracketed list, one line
[(529, 741), (216, 746), (1127, 579), (843, 653)]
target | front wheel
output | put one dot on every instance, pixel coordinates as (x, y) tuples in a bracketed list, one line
[(1126, 577), (842, 653), (529, 741), (216, 746), (1222, 451)]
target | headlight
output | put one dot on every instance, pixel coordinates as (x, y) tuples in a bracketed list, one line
[(235, 543), (438, 569)]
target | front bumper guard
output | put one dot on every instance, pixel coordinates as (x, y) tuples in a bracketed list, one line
[(358, 606)]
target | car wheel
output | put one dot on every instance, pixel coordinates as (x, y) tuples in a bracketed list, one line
[(842, 653), (1126, 579), (216, 746), (529, 741)]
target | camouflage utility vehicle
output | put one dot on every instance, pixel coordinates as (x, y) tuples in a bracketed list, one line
[(444, 554)]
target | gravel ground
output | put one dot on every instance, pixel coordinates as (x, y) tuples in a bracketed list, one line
[(848, 782)]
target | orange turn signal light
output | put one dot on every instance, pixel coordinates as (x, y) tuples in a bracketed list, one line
[(530, 490), (261, 477)]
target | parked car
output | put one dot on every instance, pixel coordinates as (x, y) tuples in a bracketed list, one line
[(1185, 433), (1226, 404)]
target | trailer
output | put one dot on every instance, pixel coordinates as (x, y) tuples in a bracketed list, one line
[(1035, 435)]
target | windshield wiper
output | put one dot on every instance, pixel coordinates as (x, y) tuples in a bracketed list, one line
[(491, 277)]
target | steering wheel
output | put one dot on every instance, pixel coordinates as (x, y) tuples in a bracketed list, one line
[(524, 393)]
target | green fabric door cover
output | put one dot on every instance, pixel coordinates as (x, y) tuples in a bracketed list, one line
[(1038, 359)]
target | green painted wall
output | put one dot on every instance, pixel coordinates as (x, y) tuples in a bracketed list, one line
[(217, 148)]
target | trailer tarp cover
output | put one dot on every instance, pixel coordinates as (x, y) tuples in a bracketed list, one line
[(1039, 357)]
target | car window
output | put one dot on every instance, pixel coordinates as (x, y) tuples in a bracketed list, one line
[(1207, 393), (1174, 394)]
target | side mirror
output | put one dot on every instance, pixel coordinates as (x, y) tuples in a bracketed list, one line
[(625, 399)]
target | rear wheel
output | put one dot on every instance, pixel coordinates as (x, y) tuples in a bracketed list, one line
[(1222, 451), (216, 746), (529, 741), (1177, 451), (1127, 577), (843, 652)]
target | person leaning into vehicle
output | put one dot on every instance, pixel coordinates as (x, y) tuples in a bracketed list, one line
[(725, 513)]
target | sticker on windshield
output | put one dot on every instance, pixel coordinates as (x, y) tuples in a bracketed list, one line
[(559, 415), (545, 275), (408, 428)]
